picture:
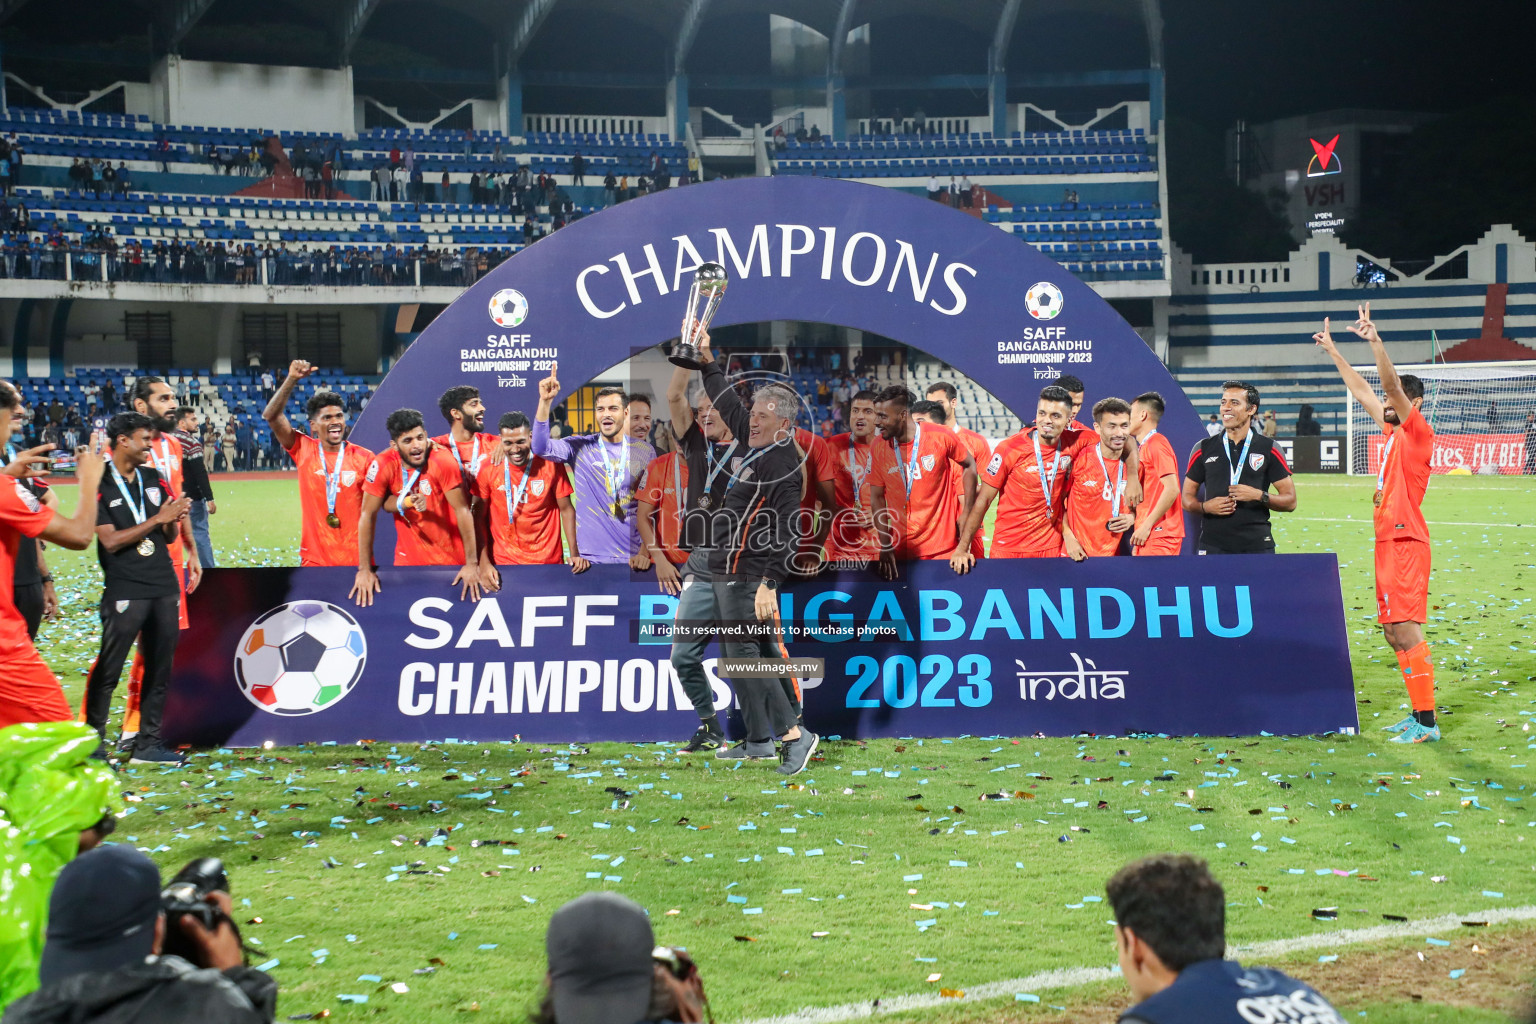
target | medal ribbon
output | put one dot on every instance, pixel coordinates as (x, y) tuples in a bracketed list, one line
[(1381, 474), (614, 474), (756, 454), (332, 480), (137, 510), (858, 469), (474, 454), (679, 496), (514, 497), (410, 481), (1235, 470), (161, 454), (1119, 490), (714, 469), (910, 471), (1048, 484)]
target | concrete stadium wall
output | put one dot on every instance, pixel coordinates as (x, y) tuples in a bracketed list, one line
[(1269, 322), (205, 335), (221, 95)]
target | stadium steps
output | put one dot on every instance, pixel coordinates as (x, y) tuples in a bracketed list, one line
[(1490, 345)]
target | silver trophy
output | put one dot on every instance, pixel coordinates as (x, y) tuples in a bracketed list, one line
[(709, 283)]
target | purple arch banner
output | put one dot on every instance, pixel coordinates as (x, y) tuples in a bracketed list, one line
[(809, 249), (1213, 646)]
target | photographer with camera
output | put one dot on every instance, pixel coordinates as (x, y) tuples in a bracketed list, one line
[(605, 967), (120, 949)]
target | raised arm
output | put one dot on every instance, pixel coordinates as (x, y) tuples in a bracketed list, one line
[(1352, 380), (76, 532), (677, 400), (1391, 383), (274, 413), (555, 449), (727, 405)]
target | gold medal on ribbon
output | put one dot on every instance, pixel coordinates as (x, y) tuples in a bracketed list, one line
[(333, 521), (146, 547)]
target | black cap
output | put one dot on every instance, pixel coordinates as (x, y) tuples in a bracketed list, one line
[(600, 964), (102, 913)]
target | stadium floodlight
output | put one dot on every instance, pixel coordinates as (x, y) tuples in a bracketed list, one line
[(1478, 411)]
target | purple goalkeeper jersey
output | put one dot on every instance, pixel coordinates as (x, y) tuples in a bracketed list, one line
[(601, 536)]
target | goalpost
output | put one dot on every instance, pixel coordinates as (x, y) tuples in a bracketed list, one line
[(1479, 412)]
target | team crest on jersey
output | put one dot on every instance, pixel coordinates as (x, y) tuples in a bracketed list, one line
[(996, 463), (426, 487), (153, 494), (736, 465), (537, 487), (1256, 462), (927, 463), (373, 470), (27, 497), (348, 477)]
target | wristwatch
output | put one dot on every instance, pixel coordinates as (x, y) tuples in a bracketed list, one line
[(770, 584), (1264, 498)]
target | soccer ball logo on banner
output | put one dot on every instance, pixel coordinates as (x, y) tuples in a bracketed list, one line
[(1043, 301), (300, 658), (509, 308)]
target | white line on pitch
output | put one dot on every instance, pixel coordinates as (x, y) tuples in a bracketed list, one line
[(1071, 977), (1431, 522)]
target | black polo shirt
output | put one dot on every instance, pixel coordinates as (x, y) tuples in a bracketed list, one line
[(1246, 530), (132, 576), (692, 446)]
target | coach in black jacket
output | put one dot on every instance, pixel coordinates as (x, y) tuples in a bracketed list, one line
[(753, 540)]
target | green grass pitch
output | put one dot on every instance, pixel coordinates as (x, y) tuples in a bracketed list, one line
[(364, 870)]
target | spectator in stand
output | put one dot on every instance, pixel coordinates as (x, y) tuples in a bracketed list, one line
[(447, 187), (578, 169), (1495, 420), (815, 133), (1213, 425), (394, 157), (230, 445), (1306, 426), (966, 188), (1271, 424), (840, 398), (954, 192)]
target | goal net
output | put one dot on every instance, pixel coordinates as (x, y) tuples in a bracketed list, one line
[(1479, 412)]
